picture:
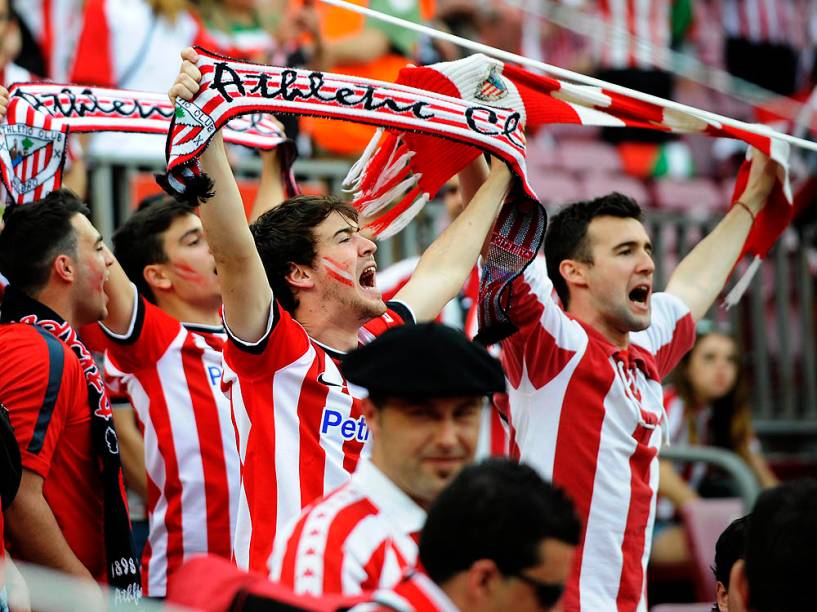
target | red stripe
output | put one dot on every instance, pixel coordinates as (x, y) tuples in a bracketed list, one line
[(291, 555), (260, 477), (577, 446), (667, 356), (373, 568), (147, 553), (211, 448), (47, 41), (632, 30), (763, 20), (160, 418), (312, 458), (631, 585), (499, 438), (342, 525), (93, 63)]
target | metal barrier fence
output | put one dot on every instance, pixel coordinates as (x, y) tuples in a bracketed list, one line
[(774, 323)]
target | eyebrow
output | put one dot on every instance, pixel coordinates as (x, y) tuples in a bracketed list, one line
[(632, 243), (98, 239), (346, 230)]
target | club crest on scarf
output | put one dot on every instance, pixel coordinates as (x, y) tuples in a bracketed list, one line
[(492, 89), (31, 156)]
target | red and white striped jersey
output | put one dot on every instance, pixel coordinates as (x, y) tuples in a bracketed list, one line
[(590, 417), (299, 425), (416, 592), (12, 73), (769, 21), (173, 376), (55, 25), (359, 538), (634, 33)]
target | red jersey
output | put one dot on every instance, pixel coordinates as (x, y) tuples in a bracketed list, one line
[(172, 373), (361, 537), (43, 386), (299, 425), (590, 417)]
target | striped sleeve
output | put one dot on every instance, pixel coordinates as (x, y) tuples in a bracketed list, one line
[(671, 333)]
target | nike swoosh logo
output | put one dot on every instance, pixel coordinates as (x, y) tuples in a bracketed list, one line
[(328, 383)]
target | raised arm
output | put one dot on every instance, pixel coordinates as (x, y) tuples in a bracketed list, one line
[(121, 300), (445, 265), (271, 190), (245, 291), (701, 275)]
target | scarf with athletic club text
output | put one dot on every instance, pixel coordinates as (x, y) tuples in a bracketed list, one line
[(435, 120), (122, 564), (34, 137)]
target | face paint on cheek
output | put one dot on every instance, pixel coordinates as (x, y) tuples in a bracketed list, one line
[(189, 274), (338, 271)]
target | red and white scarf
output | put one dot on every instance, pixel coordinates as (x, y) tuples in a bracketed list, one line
[(41, 115), (437, 119)]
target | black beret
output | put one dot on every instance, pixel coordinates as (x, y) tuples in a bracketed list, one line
[(424, 360)]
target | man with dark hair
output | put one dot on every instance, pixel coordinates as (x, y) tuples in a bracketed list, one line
[(426, 384), (164, 337), (69, 513), (728, 549), (585, 395), (497, 538), (299, 291), (777, 573)]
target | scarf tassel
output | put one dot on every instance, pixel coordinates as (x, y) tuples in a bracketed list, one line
[(734, 296), (400, 215)]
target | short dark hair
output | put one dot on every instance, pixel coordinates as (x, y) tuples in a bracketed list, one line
[(35, 234), (285, 235), (729, 548), (499, 510), (566, 236), (781, 548), (139, 241)]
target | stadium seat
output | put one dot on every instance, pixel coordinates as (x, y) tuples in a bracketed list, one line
[(598, 184), (555, 186), (586, 156), (704, 520), (696, 196)]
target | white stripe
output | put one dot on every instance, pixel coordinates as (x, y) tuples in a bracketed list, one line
[(338, 270), (334, 474)]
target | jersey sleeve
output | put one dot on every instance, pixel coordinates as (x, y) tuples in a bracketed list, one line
[(40, 379), (546, 338), (284, 341), (150, 332), (671, 333), (397, 313)]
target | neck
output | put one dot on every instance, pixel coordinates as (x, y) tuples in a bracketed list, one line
[(60, 302), (457, 590), (186, 312), (594, 319), (327, 328)]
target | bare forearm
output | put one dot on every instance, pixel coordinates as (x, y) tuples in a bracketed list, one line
[(131, 449), (120, 294), (701, 275), (270, 187), (35, 534), (672, 486), (359, 49), (761, 469)]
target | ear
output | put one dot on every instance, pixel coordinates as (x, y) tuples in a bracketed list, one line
[(574, 272), (739, 586), (481, 579), (300, 277), (721, 597), (65, 268), (157, 278)]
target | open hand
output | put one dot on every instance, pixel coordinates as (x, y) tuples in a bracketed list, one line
[(4, 102), (762, 177)]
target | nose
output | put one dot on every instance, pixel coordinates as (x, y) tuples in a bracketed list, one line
[(367, 247), (109, 258), (646, 264), (447, 434)]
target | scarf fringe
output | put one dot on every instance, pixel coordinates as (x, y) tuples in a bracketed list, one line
[(400, 216), (357, 171), (374, 206)]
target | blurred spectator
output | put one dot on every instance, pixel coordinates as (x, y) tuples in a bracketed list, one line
[(50, 35), (10, 474), (777, 574), (424, 418), (69, 513), (728, 549), (245, 29), (348, 43), (708, 405), (10, 46), (134, 44)]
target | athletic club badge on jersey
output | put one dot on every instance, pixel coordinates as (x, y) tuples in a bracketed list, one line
[(31, 157), (492, 88)]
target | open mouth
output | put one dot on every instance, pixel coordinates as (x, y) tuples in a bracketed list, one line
[(640, 294), (367, 277)]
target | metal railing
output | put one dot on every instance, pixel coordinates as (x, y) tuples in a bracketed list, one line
[(745, 482), (774, 322)]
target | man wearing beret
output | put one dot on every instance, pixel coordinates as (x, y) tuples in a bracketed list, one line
[(426, 385)]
